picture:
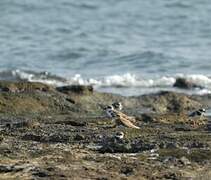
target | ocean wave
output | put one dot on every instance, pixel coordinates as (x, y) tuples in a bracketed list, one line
[(127, 80)]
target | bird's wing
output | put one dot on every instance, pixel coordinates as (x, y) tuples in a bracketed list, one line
[(127, 123), (131, 118), (192, 114)]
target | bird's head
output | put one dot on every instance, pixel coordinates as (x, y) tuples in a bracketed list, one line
[(110, 111), (120, 135), (117, 105), (202, 110), (109, 108)]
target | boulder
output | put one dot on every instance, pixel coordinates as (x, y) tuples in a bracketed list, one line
[(185, 84), (78, 89)]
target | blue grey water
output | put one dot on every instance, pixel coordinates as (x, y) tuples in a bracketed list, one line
[(142, 43)]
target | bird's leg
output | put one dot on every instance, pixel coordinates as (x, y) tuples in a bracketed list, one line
[(194, 124), (114, 124)]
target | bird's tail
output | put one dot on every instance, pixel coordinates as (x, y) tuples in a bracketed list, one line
[(128, 123)]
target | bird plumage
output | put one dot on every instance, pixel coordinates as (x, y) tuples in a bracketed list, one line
[(117, 106), (120, 118), (198, 113), (119, 135)]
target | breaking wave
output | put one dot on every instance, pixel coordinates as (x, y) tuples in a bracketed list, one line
[(113, 81)]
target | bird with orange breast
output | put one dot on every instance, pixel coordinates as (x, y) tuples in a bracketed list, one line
[(120, 118), (117, 107)]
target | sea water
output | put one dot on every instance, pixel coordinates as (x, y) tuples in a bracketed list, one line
[(126, 47)]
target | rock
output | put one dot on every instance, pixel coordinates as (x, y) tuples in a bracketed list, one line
[(78, 89), (125, 146), (166, 102), (12, 168), (71, 143), (139, 146), (147, 118), (1, 138), (32, 137), (168, 145), (102, 178), (79, 137), (127, 170), (172, 145), (23, 124), (184, 161), (16, 87), (185, 84), (172, 175), (170, 160), (41, 173), (196, 144), (5, 168), (113, 145), (72, 123), (209, 125), (182, 128)]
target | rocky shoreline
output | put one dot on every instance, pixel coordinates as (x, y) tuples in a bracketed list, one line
[(63, 133)]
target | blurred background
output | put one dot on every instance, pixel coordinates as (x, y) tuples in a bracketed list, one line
[(120, 46)]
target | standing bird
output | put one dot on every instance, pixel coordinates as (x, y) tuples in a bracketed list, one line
[(198, 114), (119, 135), (120, 118), (117, 106)]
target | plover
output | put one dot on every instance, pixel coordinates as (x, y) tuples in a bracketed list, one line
[(198, 114), (119, 135), (117, 106), (120, 118)]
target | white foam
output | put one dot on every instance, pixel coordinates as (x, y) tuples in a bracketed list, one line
[(43, 77), (126, 80), (198, 79)]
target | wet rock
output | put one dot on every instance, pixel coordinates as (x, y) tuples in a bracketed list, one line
[(72, 123), (196, 144), (79, 137), (170, 160), (172, 145), (209, 125), (78, 89), (182, 127), (70, 100), (185, 84), (5, 169), (102, 178), (57, 137), (32, 137), (41, 173), (168, 145), (113, 145), (125, 146), (22, 124), (127, 170), (139, 146), (12, 168), (17, 87), (67, 143), (147, 118), (173, 176)]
